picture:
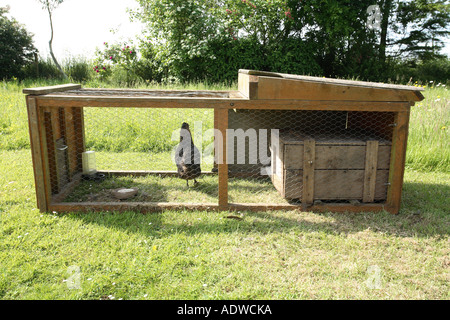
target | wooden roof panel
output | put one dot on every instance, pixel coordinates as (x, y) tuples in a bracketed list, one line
[(257, 85)]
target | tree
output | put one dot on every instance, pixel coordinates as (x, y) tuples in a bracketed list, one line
[(50, 6), (16, 46), (414, 28)]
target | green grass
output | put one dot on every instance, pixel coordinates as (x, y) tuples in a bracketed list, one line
[(204, 255)]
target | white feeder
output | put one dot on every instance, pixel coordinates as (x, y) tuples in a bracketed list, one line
[(88, 158)]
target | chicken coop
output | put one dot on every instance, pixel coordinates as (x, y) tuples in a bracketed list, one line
[(280, 141)]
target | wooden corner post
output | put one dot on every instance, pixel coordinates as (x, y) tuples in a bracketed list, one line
[(221, 125), (398, 157), (36, 154)]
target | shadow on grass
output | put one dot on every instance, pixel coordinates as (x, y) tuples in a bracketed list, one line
[(425, 213)]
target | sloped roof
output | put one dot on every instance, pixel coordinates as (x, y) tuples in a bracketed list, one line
[(271, 85)]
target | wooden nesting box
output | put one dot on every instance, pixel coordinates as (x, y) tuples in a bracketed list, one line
[(339, 140), (331, 167)]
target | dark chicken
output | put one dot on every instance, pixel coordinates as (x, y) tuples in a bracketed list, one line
[(187, 156)]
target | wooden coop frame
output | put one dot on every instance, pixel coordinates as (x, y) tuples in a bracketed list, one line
[(257, 90)]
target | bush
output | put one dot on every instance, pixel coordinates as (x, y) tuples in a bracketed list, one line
[(78, 69), (16, 47), (437, 70)]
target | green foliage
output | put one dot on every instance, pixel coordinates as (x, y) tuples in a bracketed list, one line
[(436, 70), (16, 47), (418, 27), (122, 55)]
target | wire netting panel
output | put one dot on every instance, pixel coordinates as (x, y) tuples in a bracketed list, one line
[(130, 154), (287, 156)]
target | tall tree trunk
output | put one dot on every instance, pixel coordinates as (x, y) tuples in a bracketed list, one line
[(386, 10), (50, 43)]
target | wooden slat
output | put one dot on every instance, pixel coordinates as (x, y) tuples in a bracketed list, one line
[(37, 157), (335, 157), (128, 206), (398, 157), (145, 102), (330, 81), (221, 124), (78, 123), (157, 207), (370, 171), (309, 157), (277, 88), (50, 151), (248, 85), (335, 184), (70, 135), (51, 89), (325, 207), (141, 173)]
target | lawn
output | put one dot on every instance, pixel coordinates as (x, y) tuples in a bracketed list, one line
[(205, 255)]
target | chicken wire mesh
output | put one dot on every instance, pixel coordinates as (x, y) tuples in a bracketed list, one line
[(273, 156), (275, 152), (132, 154)]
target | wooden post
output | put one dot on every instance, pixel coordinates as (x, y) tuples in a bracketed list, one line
[(370, 171), (309, 157), (398, 157), (36, 153), (221, 124)]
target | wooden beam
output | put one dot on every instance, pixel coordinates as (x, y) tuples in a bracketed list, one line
[(161, 206), (287, 89), (221, 125), (370, 171), (51, 89), (142, 173), (398, 157), (146, 102), (128, 206), (325, 207), (309, 158), (36, 154)]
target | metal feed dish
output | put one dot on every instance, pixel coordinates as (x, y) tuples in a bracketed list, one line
[(124, 193)]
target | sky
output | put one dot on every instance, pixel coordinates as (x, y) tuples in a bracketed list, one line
[(79, 25)]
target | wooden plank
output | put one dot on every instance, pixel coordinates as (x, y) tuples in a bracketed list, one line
[(142, 173), (248, 85), (35, 143), (335, 157), (50, 152), (221, 124), (335, 184), (158, 207), (309, 161), (128, 206), (78, 122), (146, 102), (370, 171), (295, 79), (44, 152), (398, 157), (51, 89), (276, 88), (70, 135), (323, 80), (325, 207)]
